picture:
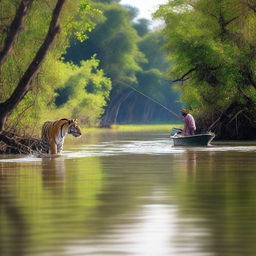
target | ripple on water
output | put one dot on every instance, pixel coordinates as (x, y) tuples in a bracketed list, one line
[(119, 147)]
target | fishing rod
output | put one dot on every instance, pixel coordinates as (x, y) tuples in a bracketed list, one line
[(148, 97)]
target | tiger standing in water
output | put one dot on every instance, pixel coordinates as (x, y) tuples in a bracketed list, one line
[(54, 132)]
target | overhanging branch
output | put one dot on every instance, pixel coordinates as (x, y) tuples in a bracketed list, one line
[(15, 28), (25, 82), (252, 7), (185, 76)]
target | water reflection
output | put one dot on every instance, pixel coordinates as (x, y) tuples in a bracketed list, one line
[(14, 241), (46, 203), (145, 234), (130, 196), (53, 174)]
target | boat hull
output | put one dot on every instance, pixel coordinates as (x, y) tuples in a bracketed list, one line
[(193, 140)]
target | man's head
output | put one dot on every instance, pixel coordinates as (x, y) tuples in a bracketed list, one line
[(184, 112)]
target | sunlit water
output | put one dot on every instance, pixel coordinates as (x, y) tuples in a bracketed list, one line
[(130, 194)]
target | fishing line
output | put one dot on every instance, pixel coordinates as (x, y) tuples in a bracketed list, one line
[(148, 97)]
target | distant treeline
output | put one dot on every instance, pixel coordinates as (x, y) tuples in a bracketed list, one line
[(130, 55)]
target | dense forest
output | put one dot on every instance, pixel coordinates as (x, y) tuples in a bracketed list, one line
[(124, 46), (93, 60), (212, 48), (38, 102), (84, 71)]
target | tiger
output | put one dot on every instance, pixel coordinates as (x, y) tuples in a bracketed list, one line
[(54, 132)]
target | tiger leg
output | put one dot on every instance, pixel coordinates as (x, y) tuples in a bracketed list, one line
[(53, 147)]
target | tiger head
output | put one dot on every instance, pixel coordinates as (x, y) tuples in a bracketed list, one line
[(73, 128)]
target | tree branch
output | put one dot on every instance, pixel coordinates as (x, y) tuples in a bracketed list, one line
[(226, 23), (246, 97), (15, 28), (251, 7), (25, 82), (184, 77), (250, 76)]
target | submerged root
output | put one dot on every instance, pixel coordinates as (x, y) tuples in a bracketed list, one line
[(14, 143)]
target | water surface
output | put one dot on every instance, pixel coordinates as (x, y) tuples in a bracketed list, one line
[(130, 194)]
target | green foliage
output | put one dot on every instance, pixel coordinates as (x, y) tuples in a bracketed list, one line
[(82, 23), (212, 42), (114, 42), (132, 11), (85, 92), (77, 19), (124, 48), (142, 27), (107, 1), (156, 58)]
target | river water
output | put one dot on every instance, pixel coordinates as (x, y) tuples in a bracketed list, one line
[(130, 194)]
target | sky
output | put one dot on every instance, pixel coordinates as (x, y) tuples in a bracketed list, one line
[(146, 7)]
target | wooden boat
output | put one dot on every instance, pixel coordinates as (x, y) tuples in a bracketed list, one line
[(192, 140)]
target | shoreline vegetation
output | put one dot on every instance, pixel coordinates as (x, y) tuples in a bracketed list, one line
[(106, 67), (85, 69), (213, 63), (134, 128), (13, 142)]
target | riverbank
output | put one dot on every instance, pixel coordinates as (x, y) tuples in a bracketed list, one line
[(135, 128), (12, 143)]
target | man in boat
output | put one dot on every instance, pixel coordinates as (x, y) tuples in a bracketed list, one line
[(189, 123)]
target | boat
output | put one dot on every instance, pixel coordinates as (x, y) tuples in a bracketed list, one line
[(191, 140)]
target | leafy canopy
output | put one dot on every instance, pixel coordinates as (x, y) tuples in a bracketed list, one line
[(212, 47)]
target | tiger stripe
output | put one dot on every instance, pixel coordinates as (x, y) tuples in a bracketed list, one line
[(54, 132)]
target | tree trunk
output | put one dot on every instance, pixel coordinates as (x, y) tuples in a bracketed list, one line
[(3, 118), (112, 109), (25, 82), (15, 28), (119, 105)]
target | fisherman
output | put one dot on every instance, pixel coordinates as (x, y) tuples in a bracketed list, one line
[(189, 123)]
